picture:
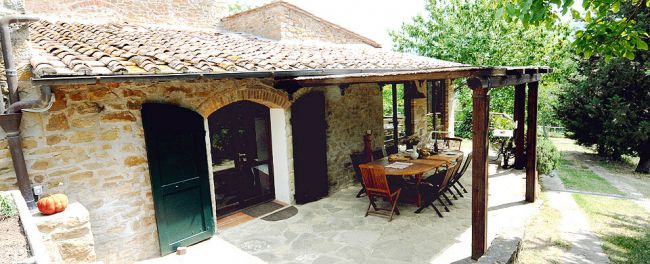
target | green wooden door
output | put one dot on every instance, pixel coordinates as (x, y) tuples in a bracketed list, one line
[(178, 166)]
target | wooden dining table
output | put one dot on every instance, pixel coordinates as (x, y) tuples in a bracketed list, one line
[(418, 168)]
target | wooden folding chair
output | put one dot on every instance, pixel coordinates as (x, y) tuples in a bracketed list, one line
[(376, 183), (358, 158), (456, 179), (449, 177), (431, 189)]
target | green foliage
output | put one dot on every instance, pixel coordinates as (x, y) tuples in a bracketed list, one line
[(609, 107), (237, 7), (387, 96), (610, 26), (468, 31), (548, 157), (7, 207)]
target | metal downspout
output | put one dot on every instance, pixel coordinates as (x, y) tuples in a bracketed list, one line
[(10, 122)]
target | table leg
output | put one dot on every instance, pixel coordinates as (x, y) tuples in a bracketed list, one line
[(418, 179)]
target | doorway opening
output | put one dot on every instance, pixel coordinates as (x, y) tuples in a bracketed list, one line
[(240, 144)]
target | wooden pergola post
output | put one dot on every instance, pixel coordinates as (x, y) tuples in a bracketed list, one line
[(480, 121), (520, 116), (531, 146)]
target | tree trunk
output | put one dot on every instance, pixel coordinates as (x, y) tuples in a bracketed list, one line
[(644, 161)]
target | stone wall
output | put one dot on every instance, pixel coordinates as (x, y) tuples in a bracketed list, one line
[(348, 118), (195, 13), (90, 145), (283, 21)]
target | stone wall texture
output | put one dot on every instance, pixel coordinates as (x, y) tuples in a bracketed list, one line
[(90, 145), (348, 118), (195, 13), (281, 21), (67, 235)]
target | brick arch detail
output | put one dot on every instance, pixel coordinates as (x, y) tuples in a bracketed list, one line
[(271, 98)]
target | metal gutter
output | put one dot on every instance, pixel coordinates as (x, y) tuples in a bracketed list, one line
[(96, 79)]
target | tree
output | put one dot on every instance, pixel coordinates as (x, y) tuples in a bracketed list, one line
[(621, 36), (609, 104), (468, 31)]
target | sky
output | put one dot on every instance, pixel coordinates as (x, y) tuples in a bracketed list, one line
[(370, 18)]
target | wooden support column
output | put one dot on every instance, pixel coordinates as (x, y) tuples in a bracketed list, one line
[(409, 125), (480, 121), (531, 138), (395, 121), (520, 116)]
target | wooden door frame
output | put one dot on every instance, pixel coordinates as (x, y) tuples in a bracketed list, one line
[(255, 200)]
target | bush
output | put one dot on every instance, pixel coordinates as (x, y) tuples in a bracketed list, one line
[(548, 157), (7, 207)]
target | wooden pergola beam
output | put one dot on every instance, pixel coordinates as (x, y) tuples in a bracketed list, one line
[(438, 74), (501, 81)]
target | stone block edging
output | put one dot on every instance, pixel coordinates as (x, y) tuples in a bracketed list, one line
[(504, 250), (34, 238)]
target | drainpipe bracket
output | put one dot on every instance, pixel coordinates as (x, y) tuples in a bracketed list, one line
[(11, 123)]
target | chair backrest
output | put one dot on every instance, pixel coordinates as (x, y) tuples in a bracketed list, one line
[(462, 171), (451, 170), (358, 158), (391, 149), (453, 143), (374, 179), (378, 154), (433, 184)]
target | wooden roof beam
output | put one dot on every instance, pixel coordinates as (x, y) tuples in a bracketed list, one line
[(395, 76), (495, 82)]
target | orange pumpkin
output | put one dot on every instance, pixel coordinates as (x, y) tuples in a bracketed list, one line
[(52, 204)]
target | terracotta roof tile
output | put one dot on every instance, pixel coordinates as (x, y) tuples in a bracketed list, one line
[(62, 49)]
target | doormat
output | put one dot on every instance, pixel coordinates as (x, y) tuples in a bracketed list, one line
[(262, 209), (282, 214), (233, 220)]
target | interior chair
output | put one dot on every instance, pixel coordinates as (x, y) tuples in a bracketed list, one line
[(376, 183)]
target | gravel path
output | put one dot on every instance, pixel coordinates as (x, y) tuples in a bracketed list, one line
[(630, 191), (574, 227)]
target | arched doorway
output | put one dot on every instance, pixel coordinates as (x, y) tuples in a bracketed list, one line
[(242, 162), (180, 184)]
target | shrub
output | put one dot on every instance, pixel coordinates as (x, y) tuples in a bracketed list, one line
[(7, 207), (548, 157)]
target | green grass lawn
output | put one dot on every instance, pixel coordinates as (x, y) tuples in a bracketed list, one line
[(622, 225), (627, 164), (581, 178)]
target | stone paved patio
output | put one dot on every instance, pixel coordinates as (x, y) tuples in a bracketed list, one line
[(334, 230)]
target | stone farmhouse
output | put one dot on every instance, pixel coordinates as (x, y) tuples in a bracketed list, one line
[(123, 103)]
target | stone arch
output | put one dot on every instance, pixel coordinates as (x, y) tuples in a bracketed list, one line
[(271, 98)]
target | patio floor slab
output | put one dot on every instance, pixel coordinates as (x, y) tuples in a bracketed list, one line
[(334, 230)]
